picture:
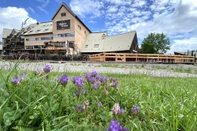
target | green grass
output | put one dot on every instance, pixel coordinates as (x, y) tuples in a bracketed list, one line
[(37, 104)]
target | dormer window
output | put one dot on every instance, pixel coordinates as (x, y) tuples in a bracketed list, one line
[(63, 14), (38, 31), (46, 29), (96, 45)]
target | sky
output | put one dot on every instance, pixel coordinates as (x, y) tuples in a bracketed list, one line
[(177, 19)]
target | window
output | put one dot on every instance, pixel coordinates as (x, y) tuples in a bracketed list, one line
[(55, 35), (69, 35), (36, 39), (29, 47), (46, 38), (79, 27), (27, 39), (86, 46), (62, 35), (63, 14), (37, 30), (96, 45), (46, 29), (31, 39), (30, 31)]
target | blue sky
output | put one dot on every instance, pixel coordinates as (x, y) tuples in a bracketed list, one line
[(175, 18)]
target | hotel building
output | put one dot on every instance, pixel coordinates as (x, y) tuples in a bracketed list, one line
[(66, 34)]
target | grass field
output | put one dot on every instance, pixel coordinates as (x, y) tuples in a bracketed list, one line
[(53, 101)]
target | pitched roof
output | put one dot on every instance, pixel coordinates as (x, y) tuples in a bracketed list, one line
[(41, 28), (96, 43), (64, 5), (6, 32)]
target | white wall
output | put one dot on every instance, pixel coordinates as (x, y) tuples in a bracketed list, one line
[(1, 47)]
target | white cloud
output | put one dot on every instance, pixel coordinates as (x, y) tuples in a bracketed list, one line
[(43, 6), (8, 20), (32, 10), (42, 9), (184, 45), (86, 7), (119, 2), (92, 21), (111, 9)]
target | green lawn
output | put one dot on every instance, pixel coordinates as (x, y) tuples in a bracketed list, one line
[(40, 102)]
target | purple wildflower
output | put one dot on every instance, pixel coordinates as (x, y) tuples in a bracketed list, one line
[(114, 82), (100, 103), (117, 110), (83, 91), (121, 111), (78, 81), (63, 80), (87, 77), (47, 69), (103, 80), (135, 110), (22, 75), (92, 80), (96, 85), (15, 80), (94, 74), (80, 108), (115, 126), (77, 94)]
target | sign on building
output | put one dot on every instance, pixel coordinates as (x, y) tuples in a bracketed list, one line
[(64, 24)]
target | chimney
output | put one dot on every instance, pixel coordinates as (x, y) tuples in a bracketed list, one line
[(103, 36)]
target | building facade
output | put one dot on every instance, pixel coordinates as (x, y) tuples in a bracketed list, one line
[(64, 34)]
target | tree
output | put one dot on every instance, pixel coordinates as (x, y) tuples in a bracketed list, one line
[(155, 44)]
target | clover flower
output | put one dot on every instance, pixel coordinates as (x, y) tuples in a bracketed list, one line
[(100, 103), (63, 80), (80, 108), (103, 80), (17, 80), (39, 73), (117, 110), (83, 91), (78, 81), (114, 82), (47, 69), (94, 74), (77, 94), (22, 76), (96, 85), (135, 110), (87, 77), (115, 126)]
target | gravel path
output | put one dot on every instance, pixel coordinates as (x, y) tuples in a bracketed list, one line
[(161, 70)]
